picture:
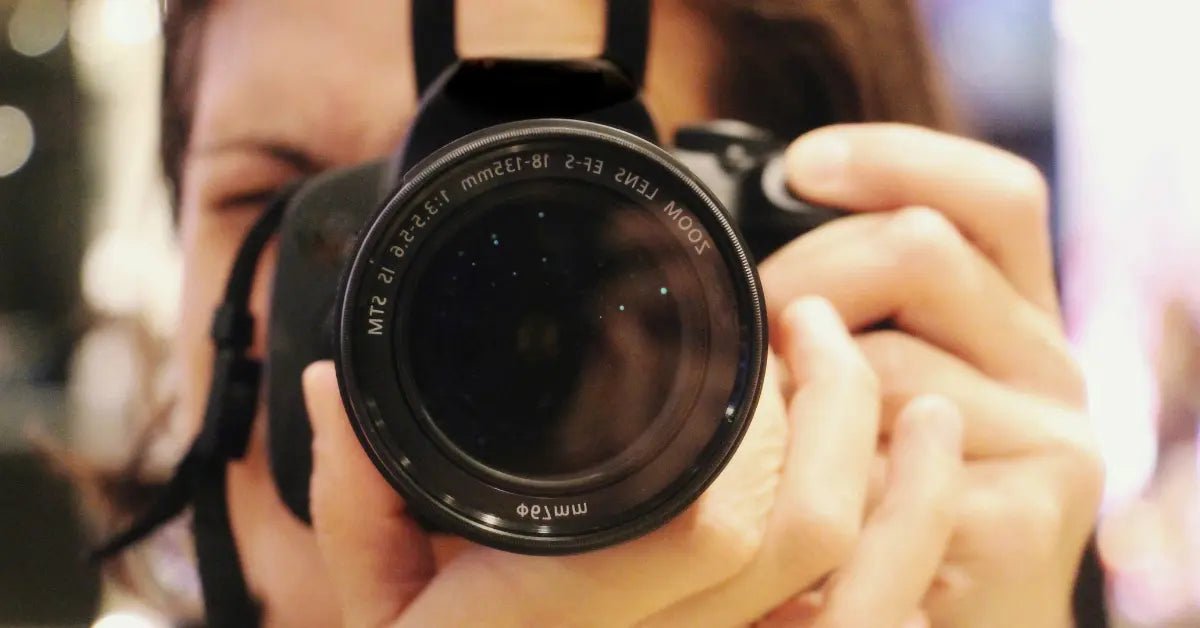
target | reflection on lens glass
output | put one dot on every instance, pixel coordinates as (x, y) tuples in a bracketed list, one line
[(554, 327)]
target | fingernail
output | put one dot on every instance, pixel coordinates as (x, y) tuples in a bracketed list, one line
[(811, 315), (817, 162), (941, 419), (310, 381)]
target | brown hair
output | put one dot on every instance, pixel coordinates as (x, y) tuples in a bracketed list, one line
[(821, 61), (183, 25)]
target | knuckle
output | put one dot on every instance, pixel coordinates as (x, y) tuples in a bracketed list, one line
[(1075, 387), (1056, 373), (723, 543), (951, 581), (824, 531), (513, 580), (926, 241), (1036, 518), (888, 352), (1086, 474), (1031, 193)]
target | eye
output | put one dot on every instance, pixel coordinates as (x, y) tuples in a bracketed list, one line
[(249, 199), (245, 183), (246, 174)]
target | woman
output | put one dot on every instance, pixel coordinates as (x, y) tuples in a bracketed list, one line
[(938, 472)]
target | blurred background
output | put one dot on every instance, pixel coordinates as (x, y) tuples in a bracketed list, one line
[(1095, 92)]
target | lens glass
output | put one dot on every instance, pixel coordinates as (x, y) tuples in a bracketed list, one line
[(556, 329)]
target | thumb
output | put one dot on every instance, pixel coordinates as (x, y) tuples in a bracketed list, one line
[(378, 557)]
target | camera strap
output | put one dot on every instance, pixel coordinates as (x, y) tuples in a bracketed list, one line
[(199, 480), (626, 38)]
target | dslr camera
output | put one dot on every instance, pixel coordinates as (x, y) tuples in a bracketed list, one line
[(548, 329)]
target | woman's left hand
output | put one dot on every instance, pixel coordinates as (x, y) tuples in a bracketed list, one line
[(950, 244)]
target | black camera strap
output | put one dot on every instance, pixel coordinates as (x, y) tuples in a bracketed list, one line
[(199, 480), (626, 38)]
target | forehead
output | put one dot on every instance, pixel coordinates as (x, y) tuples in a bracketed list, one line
[(338, 75), (275, 67)]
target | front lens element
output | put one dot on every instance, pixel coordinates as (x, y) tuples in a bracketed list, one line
[(554, 327)]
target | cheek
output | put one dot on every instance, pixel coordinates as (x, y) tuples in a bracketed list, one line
[(209, 246), (278, 553), (260, 299)]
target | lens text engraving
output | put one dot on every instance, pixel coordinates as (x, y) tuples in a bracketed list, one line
[(505, 166), (687, 224), (637, 183), (538, 512)]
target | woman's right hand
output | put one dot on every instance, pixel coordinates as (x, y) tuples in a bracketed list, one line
[(785, 513)]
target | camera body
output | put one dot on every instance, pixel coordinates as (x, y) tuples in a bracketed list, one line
[(516, 414)]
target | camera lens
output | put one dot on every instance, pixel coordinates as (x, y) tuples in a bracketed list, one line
[(547, 301), (551, 338)]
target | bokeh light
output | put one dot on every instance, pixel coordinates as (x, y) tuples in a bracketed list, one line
[(128, 619), (38, 26), (16, 139)]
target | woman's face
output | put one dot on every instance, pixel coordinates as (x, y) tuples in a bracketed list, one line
[(289, 87)]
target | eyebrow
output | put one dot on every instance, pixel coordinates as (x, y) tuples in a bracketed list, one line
[(291, 155)]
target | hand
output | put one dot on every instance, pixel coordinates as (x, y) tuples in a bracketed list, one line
[(906, 534), (776, 521), (969, 288)]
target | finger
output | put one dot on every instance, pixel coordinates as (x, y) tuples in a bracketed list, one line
[(447, 547), (800, 611), (998, 420), (378, 557), (913, 267), (711, 542), (904, 539), (917, 620), (1013, 520), (833, 418), (998, 199), (804, 611)]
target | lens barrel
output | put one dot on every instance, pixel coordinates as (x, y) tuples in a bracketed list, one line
[(551, 338)]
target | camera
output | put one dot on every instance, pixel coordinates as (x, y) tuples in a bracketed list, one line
[(548, 329)]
